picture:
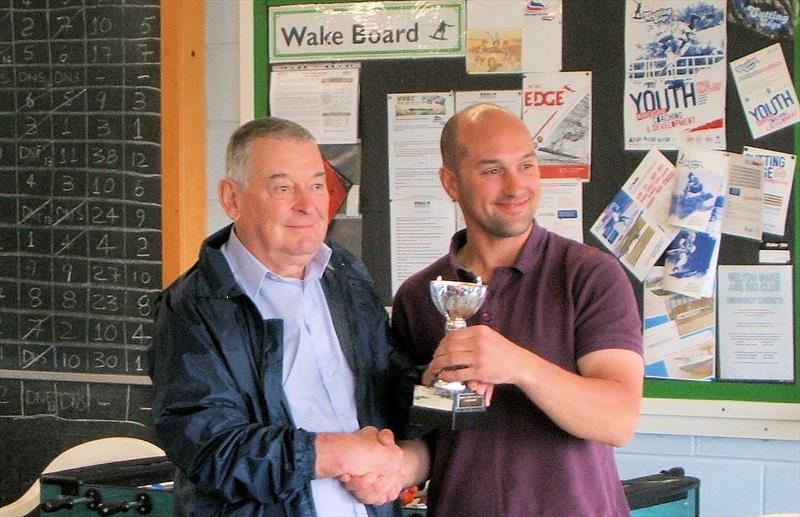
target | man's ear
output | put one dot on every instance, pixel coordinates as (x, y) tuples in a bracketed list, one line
[(448, 178), (229, 192)]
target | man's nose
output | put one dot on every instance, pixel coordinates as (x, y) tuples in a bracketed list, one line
[(302, 198), (514, 182)]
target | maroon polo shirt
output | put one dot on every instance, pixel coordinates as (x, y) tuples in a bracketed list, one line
[(561, 300)]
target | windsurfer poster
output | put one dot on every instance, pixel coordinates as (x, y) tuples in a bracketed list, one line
[(675, 75), (557, 108)]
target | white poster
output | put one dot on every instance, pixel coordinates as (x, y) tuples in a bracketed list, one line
[(756, 334), (421, 230), (675, 75), (323, 98), (634, 224), (679, 332), (766, 90), (414, 129), (561, 208), (700, 187), (778, 177), (557, 108), (541, 36), (744, 195)]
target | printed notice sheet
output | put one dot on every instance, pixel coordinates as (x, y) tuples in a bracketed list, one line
[(561, 208), (421, 232), (755, 323), (322, 97), (557, 108), (766, 90), (743, 198), (778, 177), (634, 224), (675, 74), (415, 126), (508, 99), (679, 332)]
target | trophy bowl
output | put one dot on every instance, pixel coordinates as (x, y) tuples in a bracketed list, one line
[(450, 404), (457, 301)]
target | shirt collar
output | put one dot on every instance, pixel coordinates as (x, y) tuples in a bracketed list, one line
[(251, 273), (527, 260)]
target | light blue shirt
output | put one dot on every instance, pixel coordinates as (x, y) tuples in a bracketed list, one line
[(318, 382)]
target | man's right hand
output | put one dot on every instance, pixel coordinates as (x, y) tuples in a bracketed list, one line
[(356, 454)]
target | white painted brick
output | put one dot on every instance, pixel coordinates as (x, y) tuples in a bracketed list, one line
[(782, 488), (222, 21), (728, 488), (217, 135), (786, 450), (666, 444), (222, 83)]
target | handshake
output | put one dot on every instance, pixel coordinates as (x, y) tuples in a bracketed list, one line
[(370, 464)]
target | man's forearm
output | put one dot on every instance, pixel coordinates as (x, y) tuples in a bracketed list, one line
[(416, 462)]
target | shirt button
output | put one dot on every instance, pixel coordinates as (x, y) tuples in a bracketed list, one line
[(485, 316)]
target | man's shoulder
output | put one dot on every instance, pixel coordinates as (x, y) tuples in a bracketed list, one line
[(578, 257)]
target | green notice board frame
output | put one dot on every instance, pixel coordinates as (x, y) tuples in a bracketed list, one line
[(737, 391)]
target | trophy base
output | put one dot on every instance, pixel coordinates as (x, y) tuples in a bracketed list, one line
[(455, 411)]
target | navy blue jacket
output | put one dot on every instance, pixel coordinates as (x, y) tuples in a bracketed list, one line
[(219, 408)]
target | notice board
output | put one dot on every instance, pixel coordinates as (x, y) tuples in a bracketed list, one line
[(592, 40), (82, 255)]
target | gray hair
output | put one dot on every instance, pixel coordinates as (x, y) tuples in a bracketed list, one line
[(237, 156)]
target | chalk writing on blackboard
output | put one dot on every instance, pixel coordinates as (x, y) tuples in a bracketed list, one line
[(80, 207)]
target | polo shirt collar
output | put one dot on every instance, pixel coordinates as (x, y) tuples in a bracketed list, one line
[(526, 262)]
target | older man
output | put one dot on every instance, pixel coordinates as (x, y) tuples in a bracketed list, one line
[(272, 355)]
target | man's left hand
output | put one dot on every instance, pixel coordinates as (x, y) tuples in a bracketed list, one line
[(478, 354)]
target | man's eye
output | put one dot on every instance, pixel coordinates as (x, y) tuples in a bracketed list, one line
[(492, 172), (318, 187)]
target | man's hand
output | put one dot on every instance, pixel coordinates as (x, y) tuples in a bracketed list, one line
[(377, 489), (600, 402), (374, 487), (477, 355), (356, 454)]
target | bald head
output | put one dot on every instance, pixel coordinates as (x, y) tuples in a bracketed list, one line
[(452, 146)]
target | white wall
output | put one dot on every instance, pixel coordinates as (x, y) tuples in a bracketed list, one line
[(222, 95), (738, 477)]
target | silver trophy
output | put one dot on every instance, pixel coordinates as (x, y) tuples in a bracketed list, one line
[(451, 404)]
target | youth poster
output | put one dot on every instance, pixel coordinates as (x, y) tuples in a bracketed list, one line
[(675, 74), (766, 91)]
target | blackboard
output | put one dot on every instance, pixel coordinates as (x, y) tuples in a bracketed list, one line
[(80, 225), (592, 40)]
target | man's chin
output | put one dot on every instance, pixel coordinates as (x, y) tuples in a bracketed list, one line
[(505, 228)]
